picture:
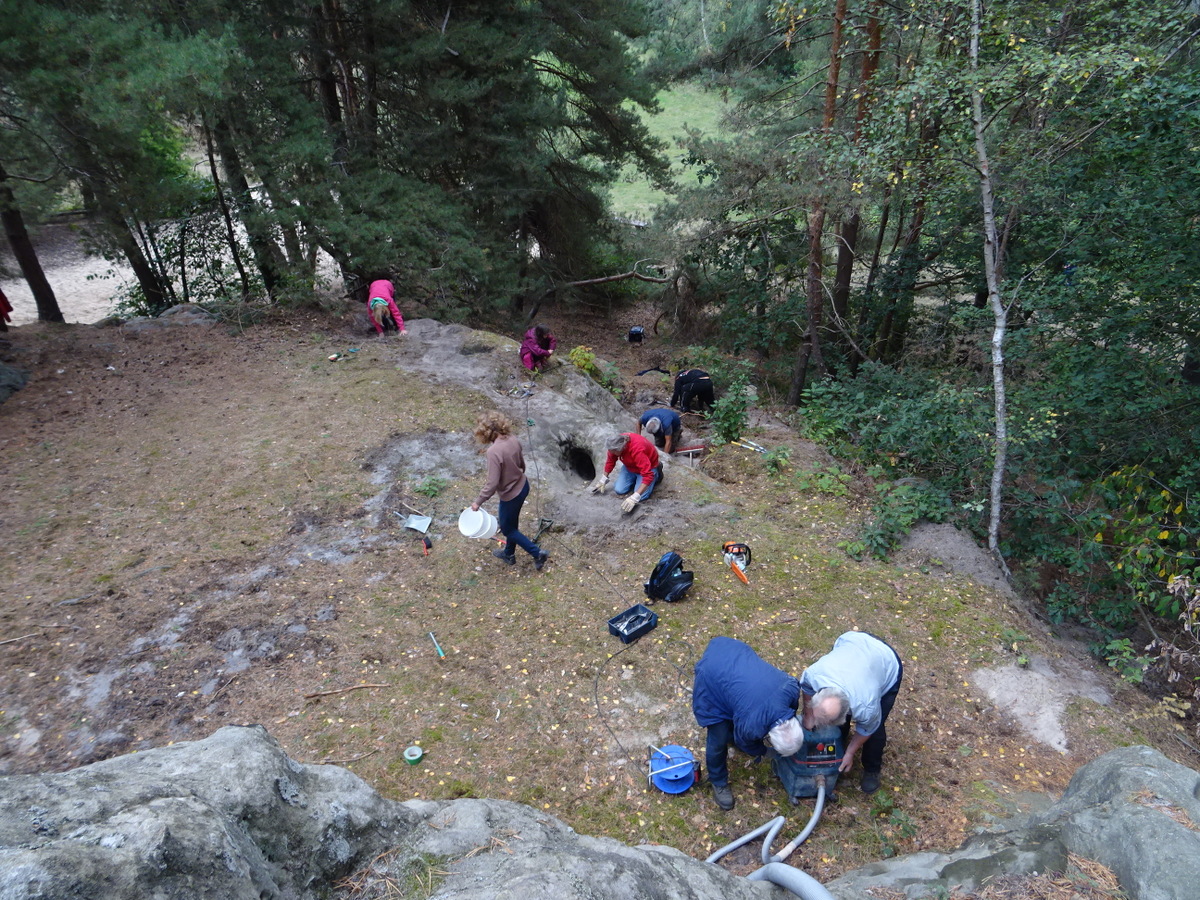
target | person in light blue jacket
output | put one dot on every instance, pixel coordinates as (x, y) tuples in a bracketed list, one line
[(857, 681), (742, 699)]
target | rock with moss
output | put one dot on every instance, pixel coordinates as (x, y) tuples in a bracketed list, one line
[(232, 816)]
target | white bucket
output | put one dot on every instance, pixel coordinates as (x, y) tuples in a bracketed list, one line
[(477, 523)]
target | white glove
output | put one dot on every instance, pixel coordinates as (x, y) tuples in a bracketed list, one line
[(630, 502), (598, 486)]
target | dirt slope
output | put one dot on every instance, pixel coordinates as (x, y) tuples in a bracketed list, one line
[(200, 528)]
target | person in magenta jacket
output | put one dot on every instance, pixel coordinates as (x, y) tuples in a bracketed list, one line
[(381, 301), (640, 469), (539, 343)]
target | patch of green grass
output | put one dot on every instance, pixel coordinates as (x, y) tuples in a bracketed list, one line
[(432, 734), (684, 106), (458, 788), (40, 522)]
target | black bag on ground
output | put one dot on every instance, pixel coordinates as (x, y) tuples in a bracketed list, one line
[(668, 581)]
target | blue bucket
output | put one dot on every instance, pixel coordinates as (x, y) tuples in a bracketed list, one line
[(672, 769)]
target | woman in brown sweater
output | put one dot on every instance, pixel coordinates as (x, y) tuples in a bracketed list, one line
[(506, 479)]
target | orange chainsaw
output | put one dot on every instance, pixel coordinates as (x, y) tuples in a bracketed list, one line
[(737, 557)]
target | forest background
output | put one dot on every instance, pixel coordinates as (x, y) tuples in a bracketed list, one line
[(956, 238)]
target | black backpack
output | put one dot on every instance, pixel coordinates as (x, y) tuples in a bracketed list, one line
[(668, 581)]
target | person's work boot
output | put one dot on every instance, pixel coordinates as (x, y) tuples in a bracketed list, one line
[(540, 559), (723, 795), (500, 553), (870, 782)]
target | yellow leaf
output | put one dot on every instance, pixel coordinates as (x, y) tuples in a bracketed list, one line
[(1163, 535)]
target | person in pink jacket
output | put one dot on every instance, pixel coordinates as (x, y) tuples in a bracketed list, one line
[(381, 300), (539, 343)]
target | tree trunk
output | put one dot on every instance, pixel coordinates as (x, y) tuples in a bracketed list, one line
[(230, 233), (157, 298), (848, 245), (847, 254), (267, 256), (26, 255), (991, 269), (810, 351)]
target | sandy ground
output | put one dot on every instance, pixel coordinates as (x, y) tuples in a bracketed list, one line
[(84, 285), (1037, 691)]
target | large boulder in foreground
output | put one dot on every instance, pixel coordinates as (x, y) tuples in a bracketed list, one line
[(233, 817), (228, 816)]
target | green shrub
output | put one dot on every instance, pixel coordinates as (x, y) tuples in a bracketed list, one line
[(898, 508), (604, 373), (728, 415), (824, 480), (776, 460), (432, 486)]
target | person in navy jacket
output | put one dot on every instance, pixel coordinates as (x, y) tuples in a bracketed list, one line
[(742, 699), (664, 425)]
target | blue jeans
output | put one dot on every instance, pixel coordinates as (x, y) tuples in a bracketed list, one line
[(509, 518), (626, 481), (716, 748)]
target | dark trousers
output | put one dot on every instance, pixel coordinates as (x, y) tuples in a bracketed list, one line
[(716, 748), (509, 518), (699, 393), (660, 439), (872, 750), (692, 385)]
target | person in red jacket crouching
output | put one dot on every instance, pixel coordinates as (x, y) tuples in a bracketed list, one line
[(640, 469)]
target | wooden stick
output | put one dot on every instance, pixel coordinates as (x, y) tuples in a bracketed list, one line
[(355, 687), (21, 638), (217, 692), (349, 759), (75, 600)]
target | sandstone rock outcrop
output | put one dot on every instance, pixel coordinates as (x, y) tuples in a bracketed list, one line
[(232, 816)]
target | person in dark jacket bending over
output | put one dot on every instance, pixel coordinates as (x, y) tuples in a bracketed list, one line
[(857, 680), (692, 385), (506, 479), (640, 469), (664, 425), (744, 700)]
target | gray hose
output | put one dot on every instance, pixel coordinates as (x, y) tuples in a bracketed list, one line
[(799, 883), (774, 827), (802, 836)]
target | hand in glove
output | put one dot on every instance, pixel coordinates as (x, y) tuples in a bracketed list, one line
[(598, 486), (630, 503)]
